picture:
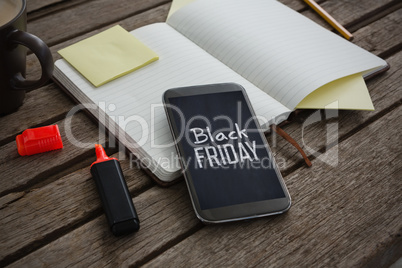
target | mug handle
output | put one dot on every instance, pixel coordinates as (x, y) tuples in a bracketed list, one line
[(42, 52)]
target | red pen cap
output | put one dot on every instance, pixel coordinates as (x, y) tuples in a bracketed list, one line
[(39, 140)]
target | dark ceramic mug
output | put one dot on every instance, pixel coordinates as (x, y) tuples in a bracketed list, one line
[(14, 41)]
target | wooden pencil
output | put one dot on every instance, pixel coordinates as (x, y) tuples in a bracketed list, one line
[(329, 19)]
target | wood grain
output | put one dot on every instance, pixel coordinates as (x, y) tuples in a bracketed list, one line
[(55, 208), (34, 5), (348, 13), (344, 215), (85, 17), (297, 5), (49, 103), (384, 87), (18, 171), (70, 194), (42, 106), (381, 35), (157, 14), (165, 215), (290, 156), (335, 220), (38, 8)]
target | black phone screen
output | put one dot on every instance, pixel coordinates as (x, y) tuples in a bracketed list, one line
[(222, 150)]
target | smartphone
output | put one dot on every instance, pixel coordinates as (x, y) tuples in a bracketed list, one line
[(227, 164)]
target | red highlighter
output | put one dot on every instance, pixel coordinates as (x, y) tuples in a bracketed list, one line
[(117, 204)]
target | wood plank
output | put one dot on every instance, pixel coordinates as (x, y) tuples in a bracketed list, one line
[(297, 5), (304, 199), (18, 171), (81, 234), (165, 214), (49, 103), (85, 17), (361, 36), (313, 137), (33, 5), (39, 8), (290, 149), (157, 14), (10, 198), (41, 107), (341, 216), (55, 209), (349, 13), (384, 91), (381, 35), (393, 74)]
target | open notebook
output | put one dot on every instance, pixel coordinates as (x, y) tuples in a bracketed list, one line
[(276, 54)]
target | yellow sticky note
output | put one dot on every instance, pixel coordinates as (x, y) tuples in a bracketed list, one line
[(108, 55), (347, 93)]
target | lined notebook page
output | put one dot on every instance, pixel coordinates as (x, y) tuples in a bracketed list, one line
[(277, 49), (134, 101)]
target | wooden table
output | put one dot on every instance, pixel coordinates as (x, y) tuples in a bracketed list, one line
[(347, 208)]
